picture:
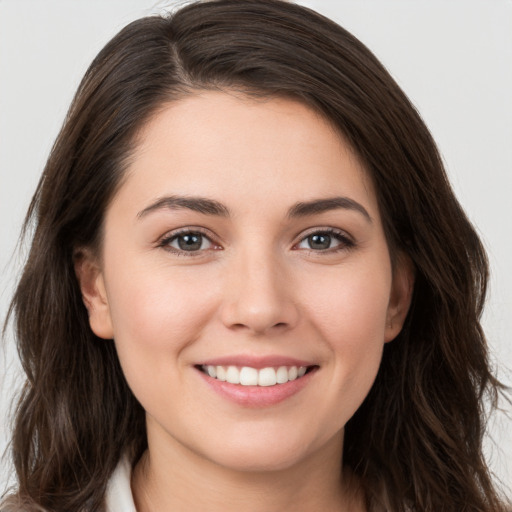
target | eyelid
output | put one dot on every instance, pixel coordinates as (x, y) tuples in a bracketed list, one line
[(324, 229), (347, 241), (165, 240)]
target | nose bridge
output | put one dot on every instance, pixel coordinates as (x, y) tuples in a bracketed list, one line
[(258, 294)]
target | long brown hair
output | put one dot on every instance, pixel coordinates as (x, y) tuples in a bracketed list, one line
[(416, 441)]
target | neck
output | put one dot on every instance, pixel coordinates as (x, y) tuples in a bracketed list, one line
[(178, 479)]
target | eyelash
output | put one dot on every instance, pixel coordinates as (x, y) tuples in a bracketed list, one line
[(169, 238), (346, 243)]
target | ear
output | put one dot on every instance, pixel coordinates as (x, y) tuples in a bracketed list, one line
[(401, 295), (90, 278)]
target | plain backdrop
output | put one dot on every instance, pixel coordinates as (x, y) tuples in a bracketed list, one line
[(452, 57)]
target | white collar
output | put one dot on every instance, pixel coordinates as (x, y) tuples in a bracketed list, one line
[(119, 496)]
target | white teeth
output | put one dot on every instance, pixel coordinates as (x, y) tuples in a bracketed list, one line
[(233, 375), (282, 375), (221, 373), (267, 377), (247, 376)]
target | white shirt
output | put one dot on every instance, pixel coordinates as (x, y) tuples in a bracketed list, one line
[(119, 497)]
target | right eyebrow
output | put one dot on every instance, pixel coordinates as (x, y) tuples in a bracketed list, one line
[(317, 206), (197, 204)]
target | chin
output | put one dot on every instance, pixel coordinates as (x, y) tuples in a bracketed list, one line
[(267, 453), (258, 461)]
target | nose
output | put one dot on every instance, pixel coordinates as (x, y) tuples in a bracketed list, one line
[(258, 296)]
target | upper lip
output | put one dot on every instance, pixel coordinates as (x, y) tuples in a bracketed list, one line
[(257, 362)]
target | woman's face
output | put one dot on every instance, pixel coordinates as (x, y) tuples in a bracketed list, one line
[(245, 235)]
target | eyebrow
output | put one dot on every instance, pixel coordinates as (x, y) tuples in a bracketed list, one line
[(317, 206), (197, 204), (212, 207)]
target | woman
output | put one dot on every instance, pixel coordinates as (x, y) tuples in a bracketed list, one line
[(250, 285)]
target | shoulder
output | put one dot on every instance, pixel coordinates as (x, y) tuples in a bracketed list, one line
[(118, 496)]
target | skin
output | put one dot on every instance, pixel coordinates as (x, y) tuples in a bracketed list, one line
[(256, 287)]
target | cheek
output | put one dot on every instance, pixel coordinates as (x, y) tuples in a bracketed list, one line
[(158, 309), (351, 318), (350, 305), (156, 315)]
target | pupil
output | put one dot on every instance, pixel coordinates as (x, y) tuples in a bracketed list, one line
[(319, 241), (190, 242)]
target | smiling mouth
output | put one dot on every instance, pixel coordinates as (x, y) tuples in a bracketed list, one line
[(248, 376)]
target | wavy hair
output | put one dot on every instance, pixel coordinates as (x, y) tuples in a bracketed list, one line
[(416, 441)]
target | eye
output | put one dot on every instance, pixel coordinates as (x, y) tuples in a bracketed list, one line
[(187, 241), (325, 240)]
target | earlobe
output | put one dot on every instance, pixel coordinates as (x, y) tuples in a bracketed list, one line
[(401, 296), (92, 285)]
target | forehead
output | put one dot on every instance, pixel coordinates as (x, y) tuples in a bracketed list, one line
[(240, 149)]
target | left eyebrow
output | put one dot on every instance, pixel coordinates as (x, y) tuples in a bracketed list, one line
[(197, 204), (317, 206)]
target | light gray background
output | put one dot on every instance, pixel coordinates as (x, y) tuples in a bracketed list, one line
[(452, 57)]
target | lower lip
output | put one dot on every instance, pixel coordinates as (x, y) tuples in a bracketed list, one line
[(257, 396)]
